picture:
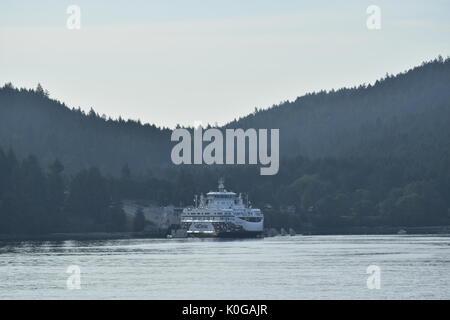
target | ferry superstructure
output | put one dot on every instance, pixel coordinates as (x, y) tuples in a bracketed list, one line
[(222, 214)]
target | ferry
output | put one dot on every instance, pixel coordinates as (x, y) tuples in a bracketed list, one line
[(222, 213)]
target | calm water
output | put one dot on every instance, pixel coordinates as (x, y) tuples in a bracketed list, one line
[(301, 267)]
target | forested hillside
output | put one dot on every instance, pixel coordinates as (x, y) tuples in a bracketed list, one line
[(32, 123), (400, 116), (376, 155), (403, 116)]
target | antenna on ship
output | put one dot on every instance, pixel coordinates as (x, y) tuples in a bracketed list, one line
[(221, 185)]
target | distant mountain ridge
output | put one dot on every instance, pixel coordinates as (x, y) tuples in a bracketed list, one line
[(32, 123), (356, 121), (406, 115)]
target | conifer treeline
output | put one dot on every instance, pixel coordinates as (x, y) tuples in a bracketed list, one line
[(306, 194)]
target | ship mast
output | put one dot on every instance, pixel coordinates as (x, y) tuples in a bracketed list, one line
[(221, 185)]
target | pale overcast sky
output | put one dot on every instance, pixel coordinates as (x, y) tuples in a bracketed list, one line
[(169, 62)]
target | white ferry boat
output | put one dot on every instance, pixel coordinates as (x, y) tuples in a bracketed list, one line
[(222, 214)]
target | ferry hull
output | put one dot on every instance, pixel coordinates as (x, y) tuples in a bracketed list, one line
[(220, 230), (229, 235)]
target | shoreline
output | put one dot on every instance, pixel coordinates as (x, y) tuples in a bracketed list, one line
[(382, 230), (84, 236), (161, 234)]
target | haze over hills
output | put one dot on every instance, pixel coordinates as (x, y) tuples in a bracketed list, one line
[(406, 115), (392, 116), (32, 123)]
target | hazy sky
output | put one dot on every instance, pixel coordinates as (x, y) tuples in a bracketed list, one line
[(169, 62)]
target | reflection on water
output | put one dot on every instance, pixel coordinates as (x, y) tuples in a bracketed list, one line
[(302, 267)]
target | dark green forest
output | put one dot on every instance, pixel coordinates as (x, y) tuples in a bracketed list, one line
[(373, 155)]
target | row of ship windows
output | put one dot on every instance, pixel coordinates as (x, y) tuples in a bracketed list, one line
[(250, 219), (209, 218), (207, 213)]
